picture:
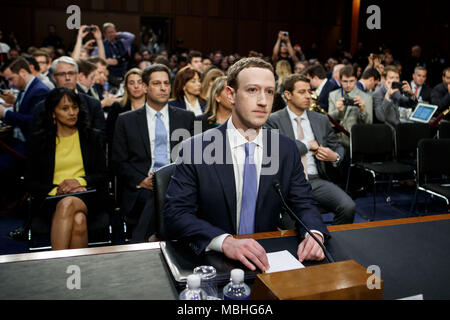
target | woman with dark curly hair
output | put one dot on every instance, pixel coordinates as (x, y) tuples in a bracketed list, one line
[(66, 158), (186, 91)]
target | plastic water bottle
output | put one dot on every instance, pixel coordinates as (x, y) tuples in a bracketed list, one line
[(193, 290), (236, 289)]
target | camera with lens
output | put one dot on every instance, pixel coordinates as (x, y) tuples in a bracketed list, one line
[(397, 85), (89, 29), (285, 34), (349, 101)]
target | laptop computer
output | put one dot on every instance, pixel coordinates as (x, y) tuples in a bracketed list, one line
[(423, 113)]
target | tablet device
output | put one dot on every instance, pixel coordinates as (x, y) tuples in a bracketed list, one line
[(423, 113), (53, 200)]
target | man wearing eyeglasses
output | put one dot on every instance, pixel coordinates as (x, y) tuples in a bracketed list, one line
[(349, 104)]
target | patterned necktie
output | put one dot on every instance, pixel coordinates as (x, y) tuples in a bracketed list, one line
[(249, 192), (19, 101), (301, 136), (161, 158)]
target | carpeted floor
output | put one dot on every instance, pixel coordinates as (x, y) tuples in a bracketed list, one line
[(397, 208)]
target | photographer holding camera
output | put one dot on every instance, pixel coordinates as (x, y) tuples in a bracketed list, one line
[(283, 50), (90, 45), (393, 98), (349, 104)]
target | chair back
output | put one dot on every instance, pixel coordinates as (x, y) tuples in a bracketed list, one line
[(161, 180), (407, 137), (433, 159), (444, 130), (371, 142)]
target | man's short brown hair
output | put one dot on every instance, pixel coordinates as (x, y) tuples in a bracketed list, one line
[(42, 53), (347, 71), (18, 64), (85, 67), (97, 59), (390, 68), (290, 81), (242, 64)]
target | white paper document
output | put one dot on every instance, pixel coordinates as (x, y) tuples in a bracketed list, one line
[(283, 261)]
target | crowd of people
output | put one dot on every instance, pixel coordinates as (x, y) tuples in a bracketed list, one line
[(107, 109)]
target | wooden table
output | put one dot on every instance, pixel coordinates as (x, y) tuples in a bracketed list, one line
[(21, 267)]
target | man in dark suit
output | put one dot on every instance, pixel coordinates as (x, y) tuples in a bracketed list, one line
[(224, 180), (318, 145), (421, 90), (369, 80), (64, 74), (319, 82), (32, 91), (142, 144), (440, 96)]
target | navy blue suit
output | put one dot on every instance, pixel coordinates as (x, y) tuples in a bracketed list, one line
[(21, 118), (182, 104), (201, 198), (329, 86)]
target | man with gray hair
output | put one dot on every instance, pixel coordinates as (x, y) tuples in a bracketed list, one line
[(420, 89), (64, 74)]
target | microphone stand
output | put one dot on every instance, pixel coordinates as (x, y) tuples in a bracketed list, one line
[(276, 185)]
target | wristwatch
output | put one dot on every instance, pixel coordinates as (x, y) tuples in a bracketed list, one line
[(338, 159)]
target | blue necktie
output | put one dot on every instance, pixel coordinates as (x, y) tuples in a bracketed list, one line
[(161, 158), (249, 192)]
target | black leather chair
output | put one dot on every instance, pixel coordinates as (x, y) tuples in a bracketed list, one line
[(433, 169), (161, 180), (372, 149), (407, 137)]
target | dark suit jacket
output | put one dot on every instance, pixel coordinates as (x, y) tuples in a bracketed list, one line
[(93, 107), (23, 117), (182, 104), (386, 111), (441, 97), (41, 164), (201, 197), (323, 98), (323, 133), (131, 156), (425, 93)]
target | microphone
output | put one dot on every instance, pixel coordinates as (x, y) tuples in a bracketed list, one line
[(277, 187)]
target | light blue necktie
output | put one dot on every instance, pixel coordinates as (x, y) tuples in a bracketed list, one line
[(249, 192), (161, 158)]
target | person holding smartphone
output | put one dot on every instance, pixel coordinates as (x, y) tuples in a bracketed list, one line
[(283, 50)]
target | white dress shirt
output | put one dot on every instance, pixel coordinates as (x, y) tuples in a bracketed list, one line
[(309, 136), (195, 108), (319, 89), (151, 123), (237, 147)]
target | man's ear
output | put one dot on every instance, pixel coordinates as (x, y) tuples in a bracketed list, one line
[(231, 94), (287, 95)]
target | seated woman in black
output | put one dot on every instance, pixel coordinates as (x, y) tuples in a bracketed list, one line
[(186, 91), (66, 157), (218, 109)]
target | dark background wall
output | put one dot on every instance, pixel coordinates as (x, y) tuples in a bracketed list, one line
[(243, 25)]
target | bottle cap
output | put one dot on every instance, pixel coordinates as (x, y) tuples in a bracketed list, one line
[(193, 281), (237, 275)]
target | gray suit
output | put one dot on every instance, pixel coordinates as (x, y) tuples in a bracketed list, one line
[(387, 111), (352, 114), (327, 194)]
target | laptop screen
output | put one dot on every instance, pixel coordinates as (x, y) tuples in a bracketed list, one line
[(423, 113)]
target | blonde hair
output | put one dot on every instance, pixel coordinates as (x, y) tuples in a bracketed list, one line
[(283, 69), (216, 89), (136, 71), (210, 75)]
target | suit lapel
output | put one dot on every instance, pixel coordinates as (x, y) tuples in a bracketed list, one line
[(286, 124), (142, 126), (225, 173)]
